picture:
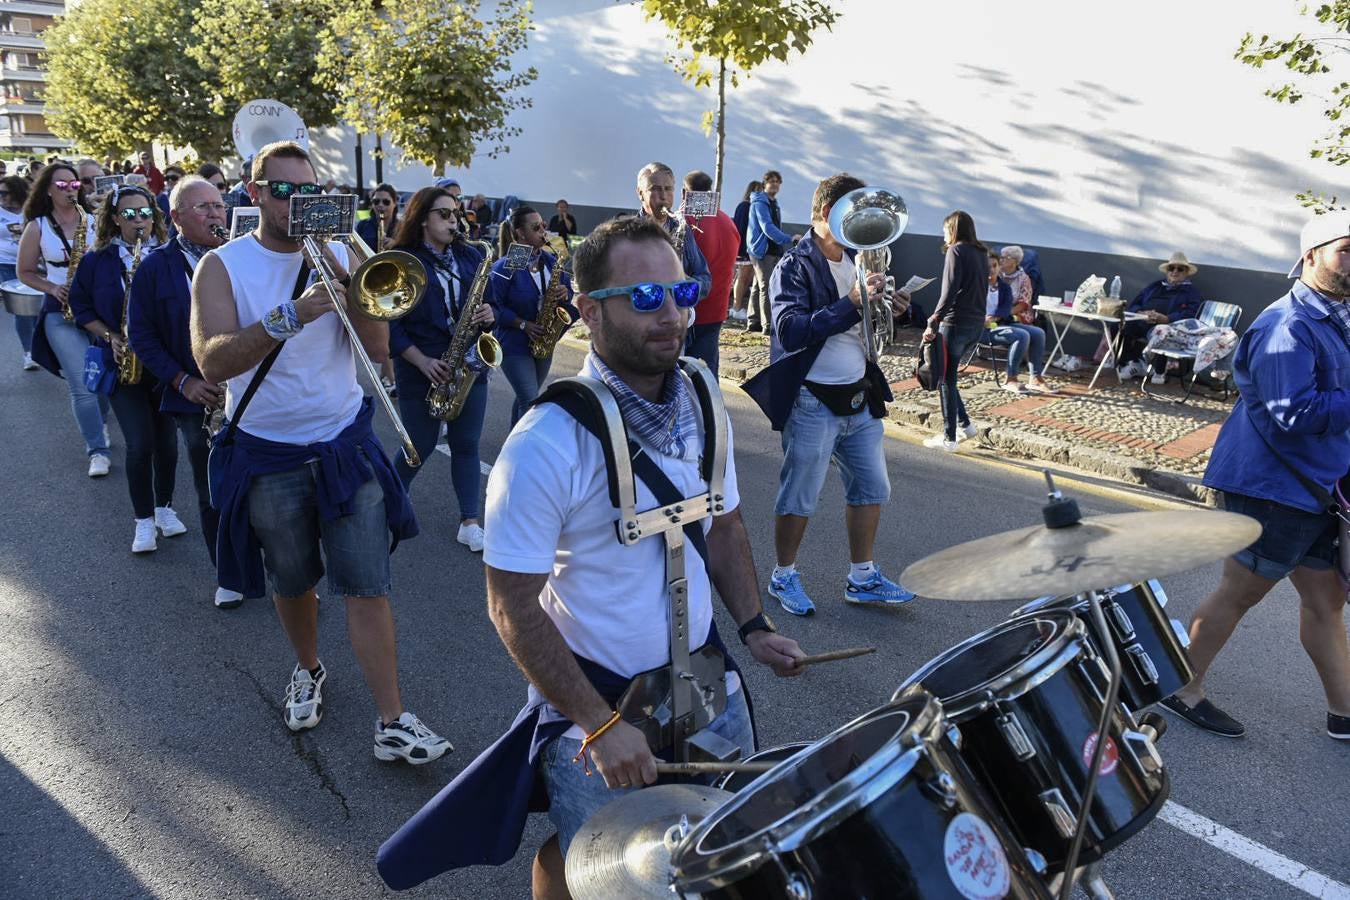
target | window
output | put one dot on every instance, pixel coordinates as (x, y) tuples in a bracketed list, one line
[(21, 26)]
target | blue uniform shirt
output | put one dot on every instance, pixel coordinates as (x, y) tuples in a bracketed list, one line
[(515, 295), (429, 326), (157, 323)]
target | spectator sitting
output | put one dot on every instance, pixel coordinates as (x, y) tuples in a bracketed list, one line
[(1169, 299), (1022, 341), (1024, 292), (563, 224)]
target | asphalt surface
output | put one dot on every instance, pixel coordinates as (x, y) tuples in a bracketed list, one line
[(142, 751)]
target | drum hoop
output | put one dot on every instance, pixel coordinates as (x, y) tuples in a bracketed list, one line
[(885, 768), (1025, 675), (1069, 601)]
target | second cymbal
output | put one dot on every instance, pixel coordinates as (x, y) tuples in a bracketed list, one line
[(1097, 552)]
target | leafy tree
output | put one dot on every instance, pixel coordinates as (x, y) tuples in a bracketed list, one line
[(429, 74), (118, 77), (278, 60), (1316, 57), (731, 38)]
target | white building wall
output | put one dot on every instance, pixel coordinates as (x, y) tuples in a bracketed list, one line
[(1091, 126)]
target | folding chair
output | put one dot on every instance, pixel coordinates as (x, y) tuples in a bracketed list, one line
[(1212, 313), (987, 352)]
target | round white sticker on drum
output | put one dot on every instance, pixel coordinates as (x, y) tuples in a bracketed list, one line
[(975, 859)]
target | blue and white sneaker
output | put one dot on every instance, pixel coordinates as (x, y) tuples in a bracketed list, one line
[(790, 594), (880, 590)]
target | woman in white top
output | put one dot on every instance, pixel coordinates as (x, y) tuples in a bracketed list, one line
[(13, 193), (56, 220)]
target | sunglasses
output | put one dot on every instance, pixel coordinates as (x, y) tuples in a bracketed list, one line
[(379, 202), (445, 212), (132, 212), (1176, 268), (284, 190), (649, 296), (66, 185)]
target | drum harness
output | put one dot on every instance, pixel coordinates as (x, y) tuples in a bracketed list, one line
[(672, 704)]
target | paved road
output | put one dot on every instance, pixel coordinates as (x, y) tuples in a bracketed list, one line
[(142, 752)]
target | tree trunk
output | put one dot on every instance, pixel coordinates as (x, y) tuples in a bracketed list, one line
[(721, 122), (360, 166), (379, 158)]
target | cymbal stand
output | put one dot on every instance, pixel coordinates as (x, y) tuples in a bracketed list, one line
[(1061, 512)]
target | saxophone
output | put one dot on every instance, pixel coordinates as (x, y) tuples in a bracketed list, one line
[(446, 401), (129, 368), (76, 254), (551, 316)]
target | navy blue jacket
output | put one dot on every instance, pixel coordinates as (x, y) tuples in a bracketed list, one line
[(742, 219), (157, 323), (515, 296), (806, 309), (1180, 301), (429, 326), (1002, 312), (365, 229), (695, 265), (98, 289)]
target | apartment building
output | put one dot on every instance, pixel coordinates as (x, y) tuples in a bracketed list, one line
[(23, 76)]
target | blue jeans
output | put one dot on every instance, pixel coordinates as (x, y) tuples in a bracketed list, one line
[(959, 338), (23, 325), (69, 343), (152, 447), (283, 510), (526, 375), (462, 435), (702, 344), (1024, 342), (573, 797), (811, 438)]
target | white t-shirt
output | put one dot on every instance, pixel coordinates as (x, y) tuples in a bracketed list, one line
[(53, 250), (842, 359), (310, 394), (991, 301), (548, 511), (11, 226)]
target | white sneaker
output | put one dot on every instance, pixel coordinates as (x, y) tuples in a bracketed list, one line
[(28, 364), (1130, 370), (304, 698), (145, 536), (228, 599), (167, 521), (471, 536), (967, 430), (939, 442), (1068, 363), (1158, 378), (99, 464), (406, 738)]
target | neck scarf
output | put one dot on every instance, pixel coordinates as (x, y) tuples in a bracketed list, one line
[(1340, 314), (668, 426), (194, 250)]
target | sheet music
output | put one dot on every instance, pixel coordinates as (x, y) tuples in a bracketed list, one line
[(916, 283)]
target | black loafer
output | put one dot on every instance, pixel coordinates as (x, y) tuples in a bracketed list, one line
[(1338, 727), (1209, 717)]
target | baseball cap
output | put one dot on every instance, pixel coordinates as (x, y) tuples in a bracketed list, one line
[(446, 182), (1321, 230)]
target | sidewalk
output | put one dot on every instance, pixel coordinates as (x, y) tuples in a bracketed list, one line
[(1114, 431)]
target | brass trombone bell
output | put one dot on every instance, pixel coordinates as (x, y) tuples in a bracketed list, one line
[(385, 285)]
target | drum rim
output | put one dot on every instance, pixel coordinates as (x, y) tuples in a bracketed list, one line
[(1052, 601), (891, 763), (758, 755), (16, 286), (1067, 644)]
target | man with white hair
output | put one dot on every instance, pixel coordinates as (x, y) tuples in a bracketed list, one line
[(656, 192)]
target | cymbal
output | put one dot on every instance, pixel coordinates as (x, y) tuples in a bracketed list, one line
[(1098, 552), (623, 849)]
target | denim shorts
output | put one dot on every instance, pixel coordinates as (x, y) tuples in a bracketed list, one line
[(573, 797), (284, 513), (1289, 537), (811, 438)]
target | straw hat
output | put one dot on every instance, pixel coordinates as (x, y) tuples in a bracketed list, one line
[(1179, 259)]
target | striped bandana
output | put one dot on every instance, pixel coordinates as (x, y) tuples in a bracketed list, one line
[(670, 426), (1340, 314)]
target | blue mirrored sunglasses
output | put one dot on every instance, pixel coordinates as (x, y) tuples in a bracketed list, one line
[(649, 296)]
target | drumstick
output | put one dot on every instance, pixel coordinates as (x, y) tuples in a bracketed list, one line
[(710, 768), (833, 655)]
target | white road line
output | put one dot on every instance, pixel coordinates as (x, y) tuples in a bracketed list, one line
[(1253, 854), (486, 467)]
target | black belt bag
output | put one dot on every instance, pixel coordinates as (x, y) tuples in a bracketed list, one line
[(841, 399)]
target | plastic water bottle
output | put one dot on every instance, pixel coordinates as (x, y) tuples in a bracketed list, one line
[(1115, 288)]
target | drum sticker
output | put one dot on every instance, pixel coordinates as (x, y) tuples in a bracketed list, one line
[(975, 859), (1110, 758)]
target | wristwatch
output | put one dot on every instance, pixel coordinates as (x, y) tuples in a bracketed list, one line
[(760, 622)]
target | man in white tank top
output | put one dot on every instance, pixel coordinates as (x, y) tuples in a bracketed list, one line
[(299, 475)]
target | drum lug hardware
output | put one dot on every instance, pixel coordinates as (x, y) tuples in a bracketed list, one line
[(954, 735), (1121, 619), (1143, 750), (1065, 821), (795, 887), (1180, 631), (1016, 736), (1036, 860), (942, 789), (1148, 672)]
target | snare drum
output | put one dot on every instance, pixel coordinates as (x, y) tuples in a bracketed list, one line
[(882, 807), (1027, 695), (734, 782), (1153, 659)]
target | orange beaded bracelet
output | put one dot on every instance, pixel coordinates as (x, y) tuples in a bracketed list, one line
[(592, 738)]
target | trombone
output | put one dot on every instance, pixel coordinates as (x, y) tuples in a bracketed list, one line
[(384, 286), (869, 218)]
